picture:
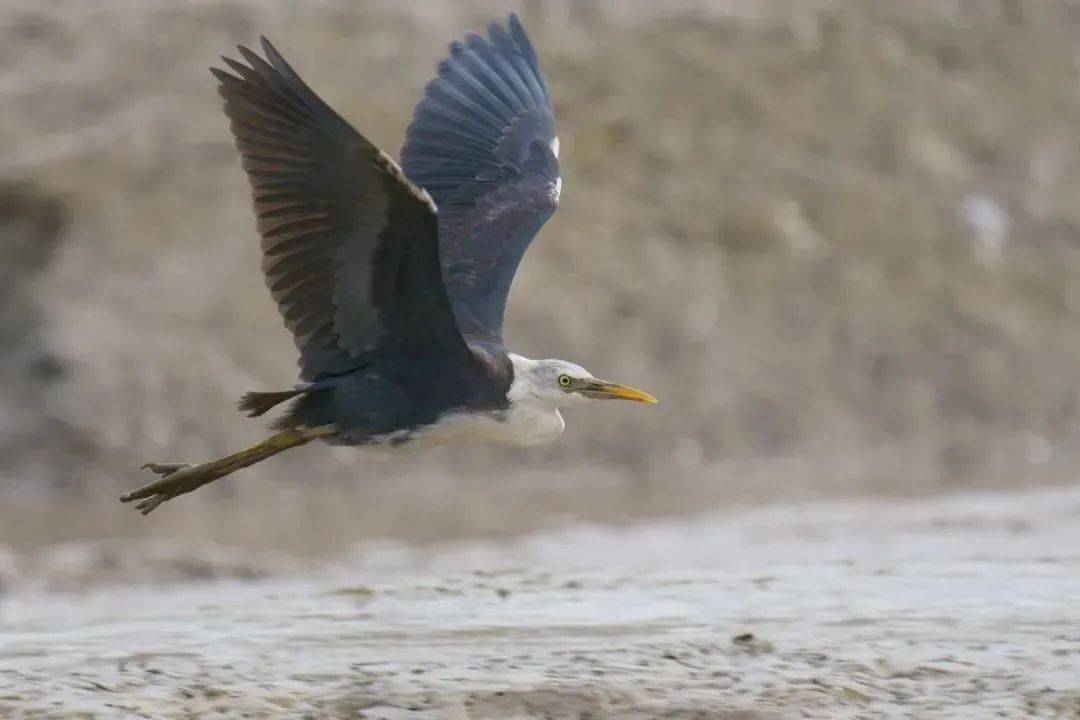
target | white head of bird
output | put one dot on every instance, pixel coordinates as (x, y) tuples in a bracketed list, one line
[(541, 387), (558, 383)]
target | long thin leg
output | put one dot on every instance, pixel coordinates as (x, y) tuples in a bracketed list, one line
[(180, 478)]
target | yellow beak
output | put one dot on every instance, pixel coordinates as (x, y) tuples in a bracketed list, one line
[(604, 390)]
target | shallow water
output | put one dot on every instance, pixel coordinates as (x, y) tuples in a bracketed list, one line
[(950, 608)]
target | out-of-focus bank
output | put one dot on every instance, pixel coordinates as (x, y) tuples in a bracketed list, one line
[(838, 242)]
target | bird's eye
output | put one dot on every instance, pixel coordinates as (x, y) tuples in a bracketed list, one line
[(564, 381)]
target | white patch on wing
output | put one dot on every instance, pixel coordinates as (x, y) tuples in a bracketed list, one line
[(555, 147), (558, 188)]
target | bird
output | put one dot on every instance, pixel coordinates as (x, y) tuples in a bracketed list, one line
[(393, 279)]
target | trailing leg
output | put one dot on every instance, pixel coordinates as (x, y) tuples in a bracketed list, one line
[(180, 478)]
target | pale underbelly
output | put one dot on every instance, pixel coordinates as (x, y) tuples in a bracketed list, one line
[(514, 427)]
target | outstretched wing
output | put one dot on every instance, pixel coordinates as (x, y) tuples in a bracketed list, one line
[(350, 245), (483, 143)]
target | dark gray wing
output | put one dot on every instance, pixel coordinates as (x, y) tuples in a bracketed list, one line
[(483, 143), (350, 245)]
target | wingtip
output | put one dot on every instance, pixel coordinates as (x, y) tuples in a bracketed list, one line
[(277, 61), (250, 55), (223, 77), (517, 32), (504, 36), (515, 26), (236, 66)]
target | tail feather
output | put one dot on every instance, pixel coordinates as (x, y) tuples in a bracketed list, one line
[(258, 403)]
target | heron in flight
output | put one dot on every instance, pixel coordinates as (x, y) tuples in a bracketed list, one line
[(393, 279)]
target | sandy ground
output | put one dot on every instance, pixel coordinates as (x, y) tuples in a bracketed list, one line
[(967, 607)]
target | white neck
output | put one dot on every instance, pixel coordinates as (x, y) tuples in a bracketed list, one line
[(532, 423), (523, 387), (533, 417)]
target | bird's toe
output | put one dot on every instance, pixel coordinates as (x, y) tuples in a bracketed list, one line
[(145, 507), (176, 479)]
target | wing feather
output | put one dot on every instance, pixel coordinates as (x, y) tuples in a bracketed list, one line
[(482, 144), (350, 245)]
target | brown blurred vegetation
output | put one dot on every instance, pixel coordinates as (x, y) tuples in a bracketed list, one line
[(839, 239)]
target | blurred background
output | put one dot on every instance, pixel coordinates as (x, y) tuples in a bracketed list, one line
[(841, 244)]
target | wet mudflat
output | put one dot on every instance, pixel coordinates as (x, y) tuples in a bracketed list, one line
[(963, 607)]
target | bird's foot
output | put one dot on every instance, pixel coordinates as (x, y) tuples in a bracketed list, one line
[(176, 479)]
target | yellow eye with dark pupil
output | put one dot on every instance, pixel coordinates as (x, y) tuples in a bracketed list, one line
[(564, 380)]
